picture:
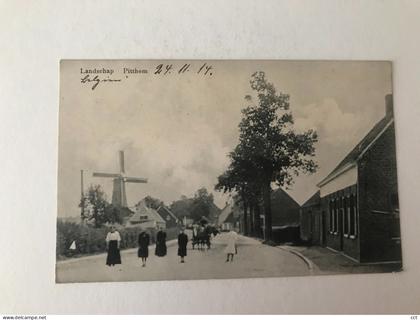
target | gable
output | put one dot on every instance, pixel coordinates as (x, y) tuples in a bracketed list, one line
[(284, 209), (351, 158), (166, 214)]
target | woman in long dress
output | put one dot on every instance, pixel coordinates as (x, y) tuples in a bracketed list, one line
[(143, 252), (230, 249), (113, 240), (182, 245), (160, 243)]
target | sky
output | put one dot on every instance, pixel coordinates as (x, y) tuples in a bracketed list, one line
[(177, 129)]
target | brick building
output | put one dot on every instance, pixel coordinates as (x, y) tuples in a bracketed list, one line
[(359, 198), (285, 217), (312, 222)]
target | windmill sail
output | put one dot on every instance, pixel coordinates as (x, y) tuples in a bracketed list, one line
[(122, 169), (119, 197), (106, 175), (135, 180)]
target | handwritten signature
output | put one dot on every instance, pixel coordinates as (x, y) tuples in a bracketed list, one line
[(96, 80)]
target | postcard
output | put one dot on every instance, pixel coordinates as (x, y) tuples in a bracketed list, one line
[(220, 169)]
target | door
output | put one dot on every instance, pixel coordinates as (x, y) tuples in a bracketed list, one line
[(341, 231), (323, 230)]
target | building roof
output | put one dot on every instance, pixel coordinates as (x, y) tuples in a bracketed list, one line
[(284, 209), (231, 218), (142, 210), (230, 208), (164, 211), (314, 200), (214, 213), (351, 158), (226, 211)]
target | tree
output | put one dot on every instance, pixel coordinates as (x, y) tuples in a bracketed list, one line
[(201, 205), (181, 208), (153, 203), (242, 177), (96, 208), (269, 148)]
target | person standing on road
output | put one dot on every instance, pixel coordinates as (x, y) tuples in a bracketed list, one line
[(160, 250), (182, 245), (113, 240), (230, 249), (143, 252)]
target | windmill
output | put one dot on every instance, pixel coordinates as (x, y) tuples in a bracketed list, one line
[(119, 198)]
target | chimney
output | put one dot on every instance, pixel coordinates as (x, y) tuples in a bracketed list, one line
[(389, 106)]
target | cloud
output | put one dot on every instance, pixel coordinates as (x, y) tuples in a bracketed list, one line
[(334, 126)]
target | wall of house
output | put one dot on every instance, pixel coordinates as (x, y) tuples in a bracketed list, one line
[(345, 179), (305, 224), (350, 246), (378, 201), (310, 225), (284, 210)]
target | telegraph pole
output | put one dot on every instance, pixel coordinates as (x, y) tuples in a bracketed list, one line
[(82, 207)]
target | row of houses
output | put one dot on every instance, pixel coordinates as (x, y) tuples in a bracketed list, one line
[(355, 210), (162, 217), (285, 218), (147, 217)]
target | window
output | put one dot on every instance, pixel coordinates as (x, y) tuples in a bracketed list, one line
[(353, 216), (331, 214), (345, 217), (348, 216), (336, 208)]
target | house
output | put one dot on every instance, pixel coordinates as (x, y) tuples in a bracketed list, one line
[(230, 217), (183, 210), (168, 217), (214, 213), (226, 213), (311, 221), (187, 221), (146, 217), (359, 198), (284, 209), (284, 217)]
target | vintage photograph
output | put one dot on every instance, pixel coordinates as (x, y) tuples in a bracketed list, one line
[(220, 169)]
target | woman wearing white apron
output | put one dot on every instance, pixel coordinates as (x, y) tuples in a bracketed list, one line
[(230, 249)]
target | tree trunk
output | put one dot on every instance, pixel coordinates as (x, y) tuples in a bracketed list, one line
[(252, 219), (267, 209), (245, 218), (257, 220)]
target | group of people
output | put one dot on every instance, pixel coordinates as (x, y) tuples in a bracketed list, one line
[(201, 236), (113, 240)]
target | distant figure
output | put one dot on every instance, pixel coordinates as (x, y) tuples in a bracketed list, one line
[(230, 249), (113, 240), (160, 243), (195, 240), (202, 238), (143, 252), (207, 236), (182, 245), (215, 231)]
